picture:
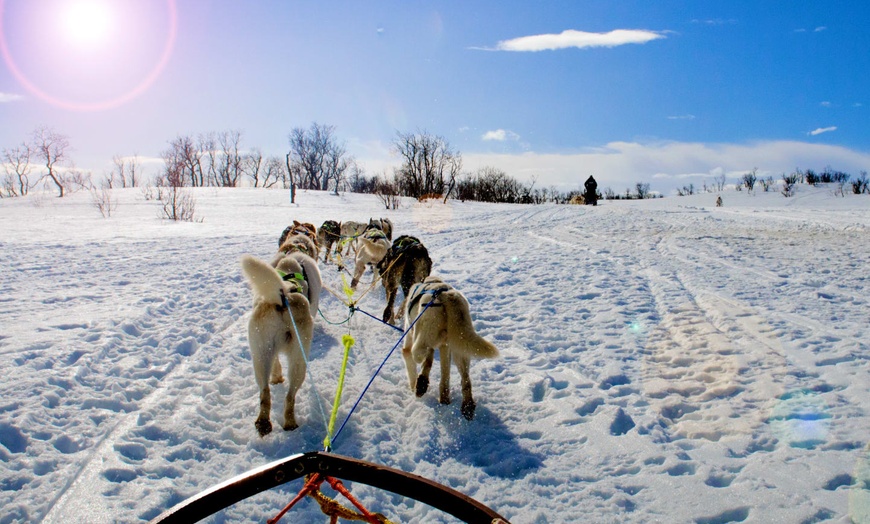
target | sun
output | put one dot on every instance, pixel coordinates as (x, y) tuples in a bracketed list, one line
[(86, 23)]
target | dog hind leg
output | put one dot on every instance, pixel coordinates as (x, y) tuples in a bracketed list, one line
[(463, 364), (444, 387)]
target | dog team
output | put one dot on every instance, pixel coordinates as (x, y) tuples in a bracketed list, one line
[(287, 296)]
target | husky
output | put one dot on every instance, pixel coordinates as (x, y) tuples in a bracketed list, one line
[(299, 267), (406, 263), (298, 243), (304, 229), (350, 231), (372, 248), (444, 325), (329, 235), (385, 225), (280, 323)]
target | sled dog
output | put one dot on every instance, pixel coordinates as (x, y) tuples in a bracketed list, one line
[(350, 231), (373, 245), (444, 325), (299, 243), (329, 235), (280, 323), (384, 224), (299, 267), (406, 263), (304, 229)]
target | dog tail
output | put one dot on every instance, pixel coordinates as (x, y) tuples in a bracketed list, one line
[(265, 281), (461, 335)]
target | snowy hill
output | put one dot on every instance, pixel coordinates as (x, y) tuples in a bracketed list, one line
[(661, 361)]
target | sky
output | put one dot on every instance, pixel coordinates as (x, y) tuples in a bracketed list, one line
[(668, 93)]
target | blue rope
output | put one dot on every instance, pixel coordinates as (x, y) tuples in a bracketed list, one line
[(354, 308), (371, 380), (307, 364)]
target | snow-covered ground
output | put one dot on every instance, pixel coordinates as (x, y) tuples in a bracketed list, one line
[(661, 361)]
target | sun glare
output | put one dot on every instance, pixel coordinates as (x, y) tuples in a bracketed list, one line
[(86, 22)]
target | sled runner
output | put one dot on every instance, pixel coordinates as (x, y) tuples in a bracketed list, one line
[(328, 465)]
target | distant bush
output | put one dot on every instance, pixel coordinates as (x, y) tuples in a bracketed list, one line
[(859, 185), (788, 183)]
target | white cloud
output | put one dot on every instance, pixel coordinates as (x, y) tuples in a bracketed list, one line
[(819, 29), (668, 165), (578, 39), (500, 135), (681, 117), (826, 104), (9, 97), (821, 130)]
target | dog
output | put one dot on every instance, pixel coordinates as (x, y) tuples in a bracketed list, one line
[(298, 266), (298, 243), (406, 263), (301, 228), (373, 245), (350, 231), (280, 323), (329, 235), (444, 323), (385, 225)]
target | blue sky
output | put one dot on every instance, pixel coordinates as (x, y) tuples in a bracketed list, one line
[(667, 92)]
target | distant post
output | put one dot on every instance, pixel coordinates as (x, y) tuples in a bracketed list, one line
[(292, 180), (591, 195)]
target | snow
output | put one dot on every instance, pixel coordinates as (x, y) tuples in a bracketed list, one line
[(661, 361)]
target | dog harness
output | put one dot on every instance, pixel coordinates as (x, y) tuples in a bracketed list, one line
[(416, 295)]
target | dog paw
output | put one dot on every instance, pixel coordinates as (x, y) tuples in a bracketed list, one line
[(276, 380), (468, 407), (290, 426), (264, 427), (422, 385)]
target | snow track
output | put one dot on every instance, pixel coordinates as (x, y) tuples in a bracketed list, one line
[(651, 356)]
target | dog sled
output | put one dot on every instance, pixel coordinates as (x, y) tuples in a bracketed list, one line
[(318, 467)]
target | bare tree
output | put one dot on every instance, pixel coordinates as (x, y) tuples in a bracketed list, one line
[(642, 190), (429, 165), (749, 180), (227, 162), (51, 148), (252, 166), (17, 166), (720, 181), (317, 157), (183, 162)]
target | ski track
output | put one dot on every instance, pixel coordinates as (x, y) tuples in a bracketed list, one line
[(642, 344)]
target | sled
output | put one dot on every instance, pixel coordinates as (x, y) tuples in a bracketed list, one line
[(331, 465)]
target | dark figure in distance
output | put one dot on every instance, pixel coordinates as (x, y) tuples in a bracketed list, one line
[(591, 195)]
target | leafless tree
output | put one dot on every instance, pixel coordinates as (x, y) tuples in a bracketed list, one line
[(749, 180), (641, 190), (183, 165), (429, 165), (125, 172), (252, 166), (317, 156), (17, 166), (273, 172), (51, 149), (228, 161), (720, 181)]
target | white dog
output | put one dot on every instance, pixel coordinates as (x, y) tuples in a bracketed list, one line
[(280, 323), (444, 325), (373, 245), (298, 266), (350, 231)]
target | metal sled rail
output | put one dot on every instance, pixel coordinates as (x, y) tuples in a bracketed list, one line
[(279, 472)]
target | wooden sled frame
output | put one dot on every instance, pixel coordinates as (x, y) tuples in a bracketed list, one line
[(282, 471)]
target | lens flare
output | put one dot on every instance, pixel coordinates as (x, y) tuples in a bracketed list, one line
[(87, 55), (800, 419)]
